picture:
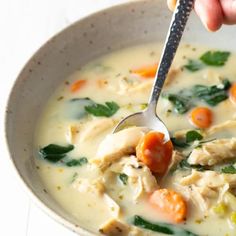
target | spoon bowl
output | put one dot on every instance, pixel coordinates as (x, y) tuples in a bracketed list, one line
[(148, 118), (145, 118)]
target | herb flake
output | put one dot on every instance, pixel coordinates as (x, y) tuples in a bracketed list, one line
[(123, 178), (77, 162)]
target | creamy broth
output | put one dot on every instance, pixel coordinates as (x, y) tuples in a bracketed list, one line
[(94, 196)]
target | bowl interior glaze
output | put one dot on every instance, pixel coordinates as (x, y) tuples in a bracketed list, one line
[(105, 31)]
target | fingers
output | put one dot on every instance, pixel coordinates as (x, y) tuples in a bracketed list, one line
[(210, 13), (229, 11)]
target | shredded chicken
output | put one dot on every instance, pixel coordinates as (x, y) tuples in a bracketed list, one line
[(114, 227), (213, 152), (140, 178), (95, 128), (205, 188), (229, 124), (117, 145), (97, 187), (210, 179), (176, 158)]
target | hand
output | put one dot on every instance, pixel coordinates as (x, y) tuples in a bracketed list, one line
[(213, 13)]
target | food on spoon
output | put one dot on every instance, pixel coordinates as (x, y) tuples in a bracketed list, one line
[(155, 152)]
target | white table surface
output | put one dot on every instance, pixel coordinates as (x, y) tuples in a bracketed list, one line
[(24, 26)]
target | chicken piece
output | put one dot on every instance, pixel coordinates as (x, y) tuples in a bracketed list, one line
[(95, 128), (205, 188), (176, 158), (140, 178), (229, 124), (117, 145), (210, 179), (213, 152), (97, 188), (114, 227), (89, 186)]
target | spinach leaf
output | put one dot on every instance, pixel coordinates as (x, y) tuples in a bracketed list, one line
[(229, 169), (194, 65), (215, 58), (179, 143), (181, 103), (124, 178), (107, 110), (77, 162), (192, 136), (54, 152), (212, 95), (160, 227), (75, 108)]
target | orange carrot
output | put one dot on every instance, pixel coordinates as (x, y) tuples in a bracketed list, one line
[(146, 71), (232, 93), (77, 85), (170, 203), (153, 151), (201, 117)]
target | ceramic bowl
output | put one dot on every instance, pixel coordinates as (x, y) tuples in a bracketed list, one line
[(110, 29)]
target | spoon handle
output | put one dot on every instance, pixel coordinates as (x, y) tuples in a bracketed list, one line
[(178, 23)]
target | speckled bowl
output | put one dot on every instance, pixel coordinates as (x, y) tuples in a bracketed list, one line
[(110, 29)]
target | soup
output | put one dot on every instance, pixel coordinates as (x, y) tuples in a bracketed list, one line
[(133, 182)]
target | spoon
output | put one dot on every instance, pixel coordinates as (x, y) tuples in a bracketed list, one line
[(148, 117)]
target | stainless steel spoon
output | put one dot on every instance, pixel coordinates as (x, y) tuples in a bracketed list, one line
[(148, 117)]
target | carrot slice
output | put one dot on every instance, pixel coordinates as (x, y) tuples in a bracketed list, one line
[(170, 203), (77, 85), (153, 151), (201, 117), (146, 71), (232, 93)]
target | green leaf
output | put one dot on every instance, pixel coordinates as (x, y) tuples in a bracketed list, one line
[(215, 58), (54, 152), (123, 178), (160, 227), (229, 170), (212, 95), (107, 110), (192, 136), (77, 162), (179, 143), (194, 65), (181, 103)]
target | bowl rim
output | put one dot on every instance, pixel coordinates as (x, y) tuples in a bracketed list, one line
[(30, 192)]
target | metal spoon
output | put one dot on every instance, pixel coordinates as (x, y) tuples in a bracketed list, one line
[(148, 117)]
